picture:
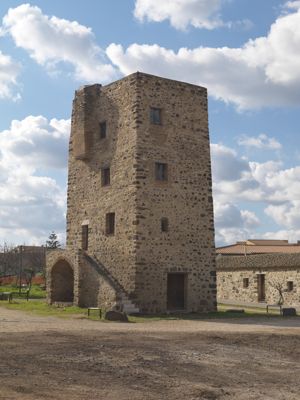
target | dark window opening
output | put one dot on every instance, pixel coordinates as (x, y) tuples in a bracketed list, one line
[(161, 171), (245, 283), (290, 286), (85, 237), (102, 127), (105, 176), (164, 224), (110, 223), (155, 116)]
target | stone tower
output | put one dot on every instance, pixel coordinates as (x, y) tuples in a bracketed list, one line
[(140, 229)]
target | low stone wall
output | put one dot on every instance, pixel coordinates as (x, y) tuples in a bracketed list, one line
[(279, 269), (94, 289)]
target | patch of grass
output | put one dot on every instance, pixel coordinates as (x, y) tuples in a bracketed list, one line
[(40, 307), (35, 292), (249, 310), (220, 314)]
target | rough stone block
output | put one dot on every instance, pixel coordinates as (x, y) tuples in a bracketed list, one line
[(116, 316)]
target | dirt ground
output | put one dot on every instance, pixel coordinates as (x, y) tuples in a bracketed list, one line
[(241, 359)]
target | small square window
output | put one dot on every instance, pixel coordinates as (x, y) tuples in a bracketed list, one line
[(290, 286), (84, 237), (155, 116), (245, 283), (164, 224), (110, 223), (105, 178), (102, 127), (161, 171)]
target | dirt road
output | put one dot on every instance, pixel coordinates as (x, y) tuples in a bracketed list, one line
[(62, 359)]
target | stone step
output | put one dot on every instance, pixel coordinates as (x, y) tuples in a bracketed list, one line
[(129, 307), (132, 307), (129, 302), (131, 311)]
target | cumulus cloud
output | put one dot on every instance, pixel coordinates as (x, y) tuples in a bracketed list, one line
[(52, 40), (292, 4), (228, 215), (261, 141), (32, 200), (235, 177), (233, 224), (181, 13), (35, 143), (278, 185), (283, 234), (9, 71), (287, 215), (237, 181), (226, 164), (263, 72)]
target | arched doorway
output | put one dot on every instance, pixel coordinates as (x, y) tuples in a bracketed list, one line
[(62, 282)]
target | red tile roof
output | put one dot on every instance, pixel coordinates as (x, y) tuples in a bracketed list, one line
[(259, 247)]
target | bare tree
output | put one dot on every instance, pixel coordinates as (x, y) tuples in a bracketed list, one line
[(28, 274), (8, 259), (279, 287)]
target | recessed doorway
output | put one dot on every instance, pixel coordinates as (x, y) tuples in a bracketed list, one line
[(261, 287), (176, 291), (62, 282)]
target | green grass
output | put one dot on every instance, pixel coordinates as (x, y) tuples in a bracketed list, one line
[(40, 307), (249, 310), (35, 292), (221, 314)]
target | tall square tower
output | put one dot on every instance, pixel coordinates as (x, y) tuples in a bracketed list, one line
[(140, 229)]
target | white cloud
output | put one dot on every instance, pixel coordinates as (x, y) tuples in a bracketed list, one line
[(293, 4), (226, 165), (287, 214), (35, 143), (32, 201), (232, 223), (244, 180), (278, 185), (264, 72), (51, 40), (9, 71), (283, 234), (228, 215), (250, 219), (261, 141), (181, 13), (237, 181)]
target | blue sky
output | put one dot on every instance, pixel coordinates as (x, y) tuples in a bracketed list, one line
[(246, 52)]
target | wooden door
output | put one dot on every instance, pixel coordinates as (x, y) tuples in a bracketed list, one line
[(176, 292), (261, 290)]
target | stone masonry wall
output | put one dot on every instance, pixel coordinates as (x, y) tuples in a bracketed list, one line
[(278, 268), (181, 141), (88, 200), (54, 257), (139, 255)]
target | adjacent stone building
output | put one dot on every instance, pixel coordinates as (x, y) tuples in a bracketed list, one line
[(140, 229), (259, 271)]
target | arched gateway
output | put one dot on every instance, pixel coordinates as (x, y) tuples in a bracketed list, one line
[(62, 282)]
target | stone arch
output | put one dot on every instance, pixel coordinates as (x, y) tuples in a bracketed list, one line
[(62, 282)]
